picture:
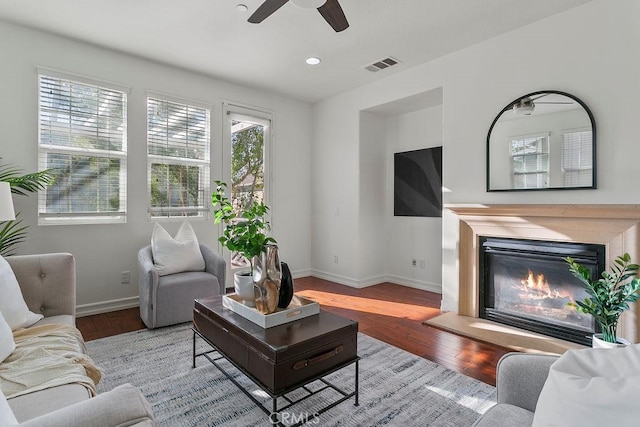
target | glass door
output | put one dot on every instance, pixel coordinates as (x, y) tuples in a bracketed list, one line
[(245, 165)]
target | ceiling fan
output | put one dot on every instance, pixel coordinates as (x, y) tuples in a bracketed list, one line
[(525, 106), (329, 9)]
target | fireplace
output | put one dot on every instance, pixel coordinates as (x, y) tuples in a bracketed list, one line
[(527, 284)]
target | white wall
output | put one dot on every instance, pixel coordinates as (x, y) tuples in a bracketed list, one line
[(372, 249), (103, 251), (335, 191), (411, 238), (587, 51)]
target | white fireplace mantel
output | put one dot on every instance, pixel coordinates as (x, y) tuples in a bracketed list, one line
[(614, 226)]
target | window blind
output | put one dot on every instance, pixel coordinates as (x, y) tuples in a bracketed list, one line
[(577, 158), (83, 136), (178, 147)]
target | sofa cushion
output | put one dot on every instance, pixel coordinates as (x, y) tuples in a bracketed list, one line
[(505, 415), (175, 255), (12, 305), (65, 319), (592, 387), (6, 414), (7, 345), (31, 405)]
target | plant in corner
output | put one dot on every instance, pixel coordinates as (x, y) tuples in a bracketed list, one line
[(610, 295), (11, 232)]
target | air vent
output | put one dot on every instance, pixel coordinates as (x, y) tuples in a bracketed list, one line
[(381, 64)]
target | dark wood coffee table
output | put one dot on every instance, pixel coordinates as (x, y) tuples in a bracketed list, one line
[(281, 359)]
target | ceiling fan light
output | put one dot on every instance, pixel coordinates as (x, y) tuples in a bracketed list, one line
[(523, 108), (312, 60), (309, 4)]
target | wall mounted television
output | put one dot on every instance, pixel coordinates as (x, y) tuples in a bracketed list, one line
[(417, 185)]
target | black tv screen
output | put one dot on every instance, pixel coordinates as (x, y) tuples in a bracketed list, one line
[(417, 185)]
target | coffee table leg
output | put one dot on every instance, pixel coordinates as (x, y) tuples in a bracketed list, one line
[(194, 349), (357, 385)]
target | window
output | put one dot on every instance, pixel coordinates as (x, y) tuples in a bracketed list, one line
[(577, 158), (178, 146), (530, 161), (83, 135)]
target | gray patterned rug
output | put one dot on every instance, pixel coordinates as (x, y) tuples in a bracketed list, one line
[(396, 387)]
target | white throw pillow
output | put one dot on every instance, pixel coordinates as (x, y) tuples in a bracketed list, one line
[(175, 255), (591, 387), (12, 305), (7, 345), (6, 414)]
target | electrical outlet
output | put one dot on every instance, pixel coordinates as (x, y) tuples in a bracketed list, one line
[(335, 259), (414, 262), (421, 264), (125, 277)]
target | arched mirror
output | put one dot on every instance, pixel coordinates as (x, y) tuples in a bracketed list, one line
[(542, 141)]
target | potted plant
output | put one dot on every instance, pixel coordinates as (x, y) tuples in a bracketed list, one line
[(244, 232), (12, 233), (609, 296)]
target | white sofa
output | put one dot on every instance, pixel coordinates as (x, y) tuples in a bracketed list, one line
[(48, 285)]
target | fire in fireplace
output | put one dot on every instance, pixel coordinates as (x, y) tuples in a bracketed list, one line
[(527, 284)]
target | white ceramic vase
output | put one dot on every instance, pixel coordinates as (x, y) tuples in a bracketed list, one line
[(243, 285), (598, 342)]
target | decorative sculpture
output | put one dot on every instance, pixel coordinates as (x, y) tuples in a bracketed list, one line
[(267, 275), (286, 287)]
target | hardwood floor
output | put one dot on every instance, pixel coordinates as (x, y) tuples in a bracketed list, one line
[(388, 312)]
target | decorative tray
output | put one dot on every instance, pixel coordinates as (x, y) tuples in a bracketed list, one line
[(299, 308)]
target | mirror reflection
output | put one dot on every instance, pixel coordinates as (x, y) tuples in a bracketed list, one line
[(543, 140)]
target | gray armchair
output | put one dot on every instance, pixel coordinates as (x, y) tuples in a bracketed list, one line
[(168, 300), (519, 381)]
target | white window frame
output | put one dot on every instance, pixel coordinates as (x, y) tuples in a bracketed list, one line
[(544, 172), (181, 213), (66, 218)]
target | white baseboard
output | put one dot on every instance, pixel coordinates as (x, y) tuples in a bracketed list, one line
[(416, 284), (106, 306), (343, 280), (296, 274), (370, 281)]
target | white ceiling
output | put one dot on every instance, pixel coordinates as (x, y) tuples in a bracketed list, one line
[(213, 38)]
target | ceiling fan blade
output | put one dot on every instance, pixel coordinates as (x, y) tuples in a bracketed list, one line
[(537, 97), (553, 102), (334, 15), (265, 10)]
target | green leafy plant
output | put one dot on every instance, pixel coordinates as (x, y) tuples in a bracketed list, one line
[(244, 232), (610, 295), (12, 233)]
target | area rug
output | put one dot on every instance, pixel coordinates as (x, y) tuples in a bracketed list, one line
[(396, 387)]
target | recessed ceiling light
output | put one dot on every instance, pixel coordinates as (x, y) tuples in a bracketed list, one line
[(242, 8), (312, 60)]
